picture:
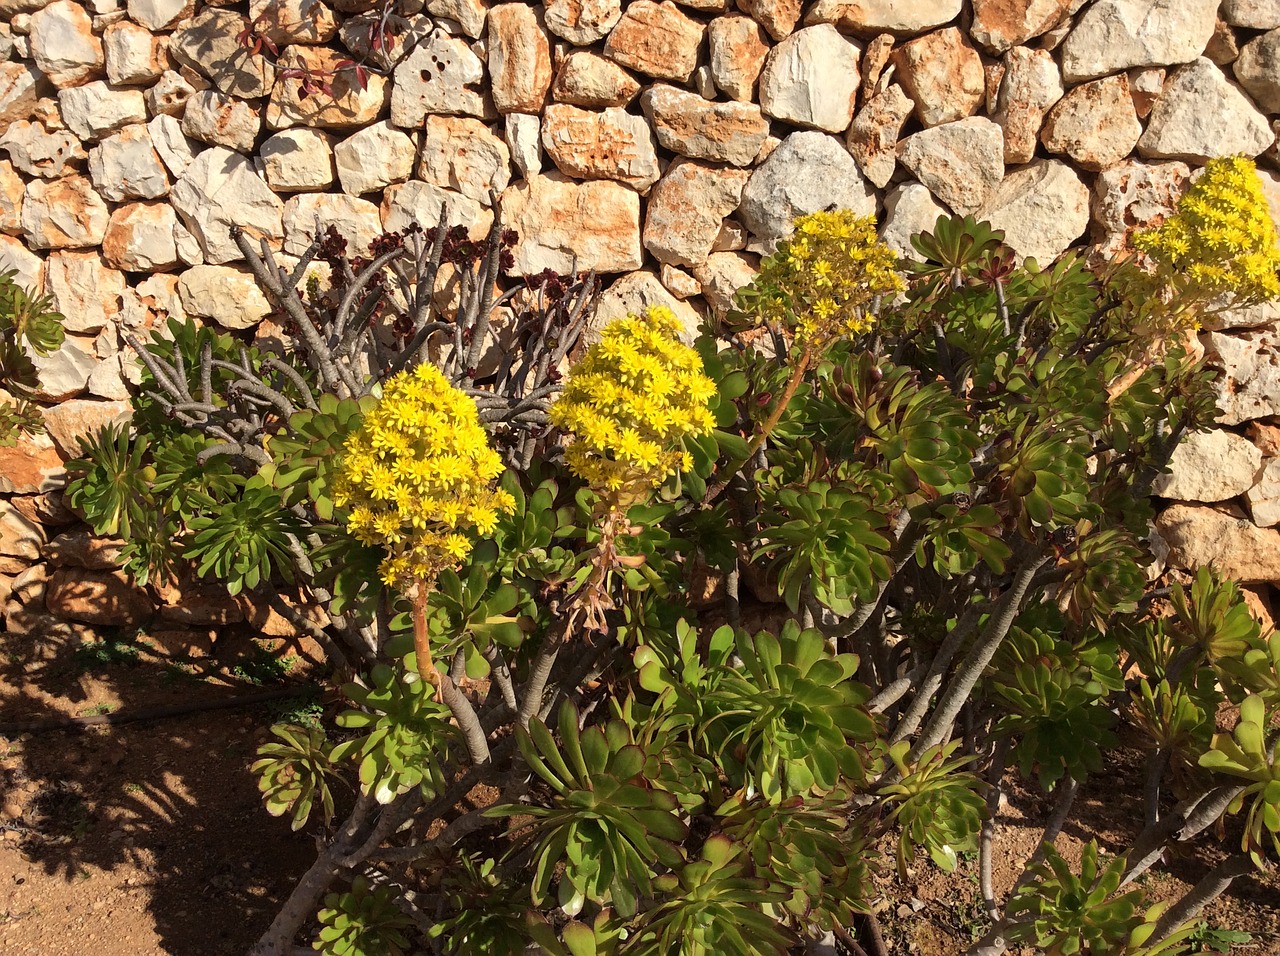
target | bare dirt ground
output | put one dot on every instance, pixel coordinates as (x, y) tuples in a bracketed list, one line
[(149, 838)]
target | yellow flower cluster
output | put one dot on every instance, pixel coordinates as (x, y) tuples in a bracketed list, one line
[(1222, 238), (629, 404), (823, 277), (417, 475)]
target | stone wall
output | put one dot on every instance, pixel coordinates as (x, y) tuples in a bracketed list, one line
[(665, 145)]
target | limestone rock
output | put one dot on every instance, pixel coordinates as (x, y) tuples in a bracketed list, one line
[(873, 136), (1252, 14), (373, 159), (519, 59), (309, 214), (294, 21), (1209, 466), (1200, 536), (570, 226), (635, 294), (63, 214), (811, 79), (12, 188), (126, 166), (692, 126), (808, 172), (1266, 437), (169, 94), (737, 50), (1250, 386), (1201, 115), (140, 238), (523, 135), (225, 294), (582, 22), (462, 154), (171, 144), (84, 289), (81, 549), (470, 15), (942, 73), (105, 598), (999, 25), (884, 16), (961, 163), (298, 160), (16, 257), (157, 15), (589, 80), (208, 45), (19, 536), (63, 44), (29, 467), (908, 209), (1264, 496), (358, 34), (657, 39), (220, 189), (441, 75), (132, 54), (94, 110), (1031, 85), (1258, 70), (41, 152), (1114, 35), (69, 423), (722, 275), (219, 120), (1042, 208), (1095, 123), (612, 144), (63, 374), (1134, 195), (347, 106), (779, 17), (21, 87), (687, 208), (420, 203), (1145, 87)]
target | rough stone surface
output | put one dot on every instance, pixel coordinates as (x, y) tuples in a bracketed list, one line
[(225, 294), (873, 135), (611, 144), (523, 136), (172, 145), (310, 214), (158, 15), (133, 55), (657, 39), (570, 226), (63, 374), (1258, 70), (71, 422), (1252, 14), (12, 188), (470, 15), (1134, 195), (1030, 86), (587, 79), (880, 16), (1250, 389), (736, 53), (220, 189), (95, 110), (80, 549), (26, 265), (1201, 115), (1042, 207), (1263, 497), (1201, 536), (908, 209), (66, 213), (779, 17), (37, 151), (582, 22), (462, 154), (811, 79), (690, 125), (346, 107), (1210, 466), (207, 44), (21, 86), (1113, 35), (105, 598), (722, 275), (31, 466), (421, 203), (687, 208), (373, 158), (63, 44), (220, 120), (441, 75), (519, 59), (1095, 124), (634, 295), (126, 166), (942, 73), (294, 21), (298, 160), (999, 25), (961, 163), (140, 238), (85, 290), (169, 94), (808, 172)]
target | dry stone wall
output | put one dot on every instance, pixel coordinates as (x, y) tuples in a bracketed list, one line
[(666, 145)]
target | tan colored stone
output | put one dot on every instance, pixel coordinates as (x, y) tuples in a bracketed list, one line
[(1252, 14), (1209, 466), (70, 423), (21, 88), (97, 597), (95, 110), (1095, 123), (722, 275), (225, 294), (587, 79), (961, 163), (635, 294), (901, 18), (737, 51), (1114, 35), (373, 158), (611, 144), (420, 203), (140, 238), (1200, 115), (810, 79), (582, 22), (41, 152), (294, 21), (12, 188), (1042, 208), (64, 214), (461, 153), (1266, 437), (220, 120), (779, 17), (17, 258), (208, 45), (1257, 67), (20, 538), (687, 208), (298, 160), (1224, 46), (347, 106), (31, 466), (126, 166), (999, 25), (1145, 87), (657, 39), (873, 135), (168, 95), (133, 54), (85, 290), (221, 189), (1030, 86), (441, 75), (519, 59), (702, 129), (678, 282), (63, 44), (942, 73), (1130, 196), (1202, 536), (573, 226), (157, 15), (308, 215)]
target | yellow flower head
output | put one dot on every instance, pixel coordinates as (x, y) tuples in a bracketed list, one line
[(417, 473), (824, 276), (630, 403), (1222, 238)]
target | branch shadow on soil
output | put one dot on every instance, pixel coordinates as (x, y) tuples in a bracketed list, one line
[(163, 811)]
